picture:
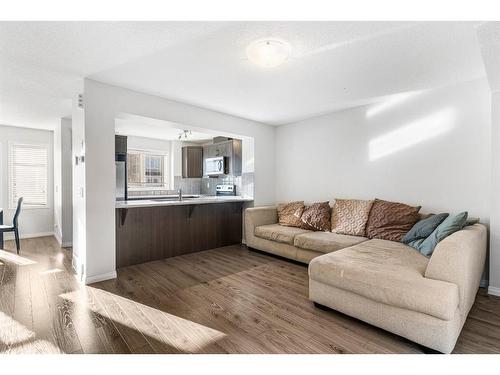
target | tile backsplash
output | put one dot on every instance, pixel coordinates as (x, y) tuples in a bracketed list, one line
[(188, 185), (206, 185)]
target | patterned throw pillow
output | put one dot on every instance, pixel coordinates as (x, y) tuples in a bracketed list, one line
[(316, 217), (289, 214), (349, 216), (391, 220)]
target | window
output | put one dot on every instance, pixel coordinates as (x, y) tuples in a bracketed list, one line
[(28, 169), (146, 169)]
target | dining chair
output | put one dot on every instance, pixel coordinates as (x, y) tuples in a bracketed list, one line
[(14, 227)]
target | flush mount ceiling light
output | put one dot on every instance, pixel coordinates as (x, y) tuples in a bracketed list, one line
[(268, 53)]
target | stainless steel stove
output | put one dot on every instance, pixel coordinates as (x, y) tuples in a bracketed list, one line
[(225, 190)]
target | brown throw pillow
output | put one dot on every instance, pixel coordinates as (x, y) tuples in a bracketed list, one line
[(391, 220), (316, 217), (349, 216), (289, 214)]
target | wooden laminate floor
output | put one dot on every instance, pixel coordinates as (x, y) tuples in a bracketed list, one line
[(227, 300)]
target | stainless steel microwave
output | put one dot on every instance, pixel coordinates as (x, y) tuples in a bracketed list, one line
[(216, 166)]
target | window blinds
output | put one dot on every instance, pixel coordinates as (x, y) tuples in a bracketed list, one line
[(28, 174)]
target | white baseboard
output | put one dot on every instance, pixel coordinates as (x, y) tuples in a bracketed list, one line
[(10, 236), (67, 244), (494, 291), (101, 277)]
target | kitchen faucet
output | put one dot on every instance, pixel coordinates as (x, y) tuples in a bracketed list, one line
[(180, 194)]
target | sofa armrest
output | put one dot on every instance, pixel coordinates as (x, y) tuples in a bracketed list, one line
[(257, 216), (460, 259)]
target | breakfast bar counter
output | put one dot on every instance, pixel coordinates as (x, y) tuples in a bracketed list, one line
[(148, 230), (154, 202)]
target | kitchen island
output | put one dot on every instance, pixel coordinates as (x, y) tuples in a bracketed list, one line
[(154, 229)]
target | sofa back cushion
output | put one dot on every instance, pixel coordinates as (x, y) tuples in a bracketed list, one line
[(317, 217), (391, 220), (289, 214), (349, 216)]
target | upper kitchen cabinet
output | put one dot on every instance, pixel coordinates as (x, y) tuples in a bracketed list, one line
[(120, 144), (231, 149), (192, 161)]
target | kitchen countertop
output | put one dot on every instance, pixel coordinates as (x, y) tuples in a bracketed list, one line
[(186, 201)]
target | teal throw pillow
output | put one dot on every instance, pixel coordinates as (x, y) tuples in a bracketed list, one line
[(423, 228), (450, 225)]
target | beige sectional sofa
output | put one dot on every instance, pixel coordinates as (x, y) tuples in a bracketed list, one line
[(384, 283)]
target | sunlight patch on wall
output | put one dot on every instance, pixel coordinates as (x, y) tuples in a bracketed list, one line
[(391, 102), (411, 134)]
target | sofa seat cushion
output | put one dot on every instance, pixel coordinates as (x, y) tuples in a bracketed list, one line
[(278, 233), (387, 272), (326, 242)]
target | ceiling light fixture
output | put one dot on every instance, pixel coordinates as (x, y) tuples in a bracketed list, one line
[(184, 133), (268, 53)]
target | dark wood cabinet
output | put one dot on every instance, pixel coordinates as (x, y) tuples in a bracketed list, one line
[(232, 149), (192, 162), (145, 234)]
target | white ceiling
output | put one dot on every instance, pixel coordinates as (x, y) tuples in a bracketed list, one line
[(147, 128), (333, 65)]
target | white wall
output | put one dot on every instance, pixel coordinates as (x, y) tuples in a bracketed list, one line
[(488, 36), (102, 104), (444, 167), (176, 160), (66, 182), (32, 222), (57, 183), (63, 201), (248, 155), (494, 287), (79, 203)]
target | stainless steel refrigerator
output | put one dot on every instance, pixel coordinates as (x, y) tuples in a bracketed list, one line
[(121, 167), (121, 180)]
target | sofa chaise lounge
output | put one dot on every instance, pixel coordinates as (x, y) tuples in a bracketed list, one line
[(384, 283)]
